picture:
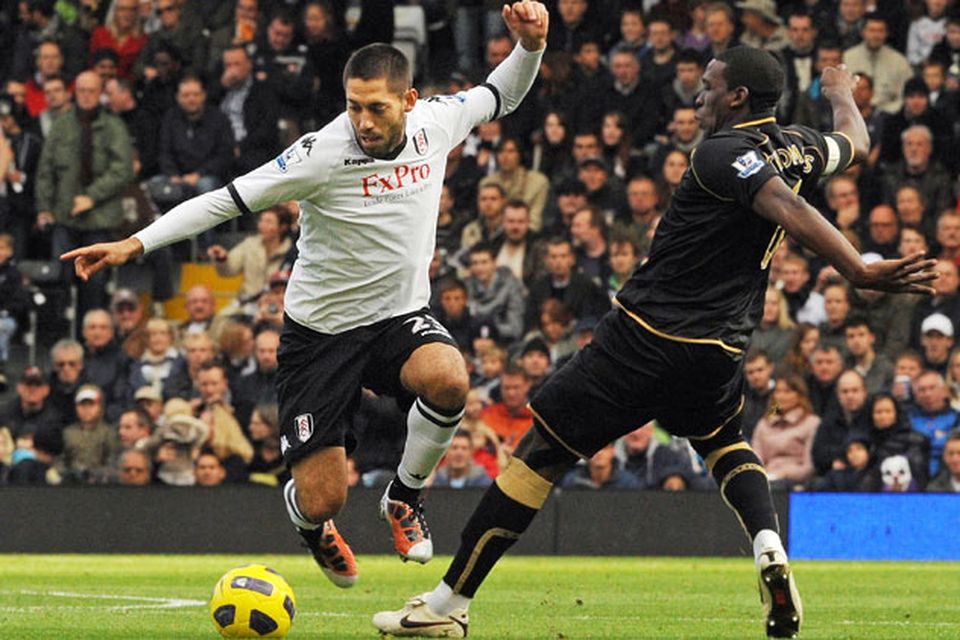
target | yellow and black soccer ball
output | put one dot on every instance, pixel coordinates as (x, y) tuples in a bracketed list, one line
[(252, 602)]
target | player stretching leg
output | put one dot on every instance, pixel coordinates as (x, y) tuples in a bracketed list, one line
[(369, 185), (673, 349)]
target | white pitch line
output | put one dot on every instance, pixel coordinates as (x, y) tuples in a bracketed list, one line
[(154, 602)]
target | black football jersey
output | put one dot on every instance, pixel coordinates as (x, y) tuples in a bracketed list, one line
[(707, 272)]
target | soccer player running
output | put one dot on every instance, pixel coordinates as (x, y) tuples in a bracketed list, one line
[(368, 184), (673, 348)]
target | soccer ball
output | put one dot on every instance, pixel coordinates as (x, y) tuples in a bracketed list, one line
[(252, 602)]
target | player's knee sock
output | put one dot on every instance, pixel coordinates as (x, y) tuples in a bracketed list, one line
[(429, 432), (506, 510), (744, 487), (293, 509)]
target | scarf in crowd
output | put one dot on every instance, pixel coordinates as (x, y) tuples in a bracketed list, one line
[(86, 117)]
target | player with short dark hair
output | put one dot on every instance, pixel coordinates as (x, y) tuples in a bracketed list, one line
[(369, 185), (673, 350)]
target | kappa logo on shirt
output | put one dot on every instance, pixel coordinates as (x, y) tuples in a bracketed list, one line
[(304, 425), (747, 165)]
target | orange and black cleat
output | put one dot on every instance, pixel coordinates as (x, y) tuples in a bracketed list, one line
[(411, 537), (332, 553)]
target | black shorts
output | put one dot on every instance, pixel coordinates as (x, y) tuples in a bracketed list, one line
[(628, 376), (320, 376)]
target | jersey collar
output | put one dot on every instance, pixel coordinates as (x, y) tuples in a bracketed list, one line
[(755, 123)]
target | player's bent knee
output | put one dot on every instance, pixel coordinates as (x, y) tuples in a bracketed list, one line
[(448, 388), (321, 503)]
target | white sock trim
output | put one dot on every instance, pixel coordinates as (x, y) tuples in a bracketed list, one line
[(443, 601), (293, 509)]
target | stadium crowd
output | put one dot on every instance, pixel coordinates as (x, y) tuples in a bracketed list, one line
[(113, 112)]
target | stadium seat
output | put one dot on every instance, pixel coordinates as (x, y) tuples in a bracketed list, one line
[(192, 274)]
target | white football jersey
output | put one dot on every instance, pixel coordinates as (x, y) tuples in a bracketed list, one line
[(367, 226)]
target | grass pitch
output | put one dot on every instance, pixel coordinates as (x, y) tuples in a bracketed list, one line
[(87, 597)]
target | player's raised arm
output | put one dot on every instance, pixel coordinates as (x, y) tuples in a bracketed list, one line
[(511, 80), (778, 203), (837, 86)]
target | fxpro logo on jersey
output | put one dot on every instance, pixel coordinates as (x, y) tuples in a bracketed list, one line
[(747, 164), (404, 181)]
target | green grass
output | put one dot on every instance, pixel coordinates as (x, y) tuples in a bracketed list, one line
[(81, 597)]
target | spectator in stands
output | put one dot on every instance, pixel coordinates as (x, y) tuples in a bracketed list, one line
[(873, 117), (806, 338), (511, 417), (283, 64), (684, 135), (83, 195), (35, 465), (783, 439), (454, 313), (160, 91), (198, 349), (256, 258), (251, 109), (813, 109), (150, 401), (236, 351), (839, 421), (160, 360), (633, 30), (916, 110), (602, 471), (130, 322), (945, 301), (519, 182), (887, 66), (906, 368), (805, 304), (775, 331), (216, 409), (932, 415), (19, 156), (856, 473), (104, 362), (876, 368), (573, 27), (135, 468), (176, 443), (208, 470), (495, 294), (534, 359), (175, 34), (123, 34), (66, 356), (90, 444), (762, 25), (41, 22), (937, 340), (588, 230), (948, 236), (49, 64), (133, 426), (659, 61), (948, 480), (491, 200), (201, 305), (884, 231), (604, 190), (797, 58), (104, 63), (258, 386), (521, 251), (720, 28), (618, 151), (920, 169), (681, 92), (624, 256), (196, 147), (581, 296), (265, 437), (653, 464), (913, 241), (629, 94), (55, 92), (758, 372), (891, 437), (459, 470), (926, 31), (240, 32), (142, 125), (31, 409), (826, 365)]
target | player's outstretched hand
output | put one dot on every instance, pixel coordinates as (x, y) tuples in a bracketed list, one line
[(528, 22), (89, 260), (912, 274)]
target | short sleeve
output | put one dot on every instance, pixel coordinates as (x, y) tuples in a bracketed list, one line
[(298, 173), (461, 112), (731, 169)]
